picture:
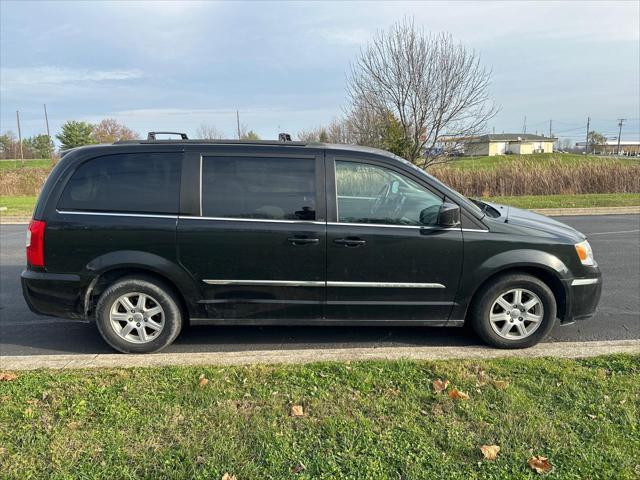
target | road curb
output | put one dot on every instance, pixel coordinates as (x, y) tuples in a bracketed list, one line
[(560, 212), (4, 220), (560, 349)]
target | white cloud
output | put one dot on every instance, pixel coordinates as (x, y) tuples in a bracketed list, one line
[(53, 75), (345, 36)]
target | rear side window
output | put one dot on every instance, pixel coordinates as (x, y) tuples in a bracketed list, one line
[(263, 188), (137, 182)]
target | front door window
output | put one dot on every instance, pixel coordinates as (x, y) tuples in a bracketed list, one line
[(376, 195)]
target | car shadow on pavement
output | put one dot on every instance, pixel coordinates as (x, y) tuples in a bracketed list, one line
[(45, 335)]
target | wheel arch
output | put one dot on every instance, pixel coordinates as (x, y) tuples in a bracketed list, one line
[(545, 274), (107, 277)]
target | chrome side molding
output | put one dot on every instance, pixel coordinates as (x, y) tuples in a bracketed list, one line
[(268, 283), (313, 283), (385, 285), (584, 281)]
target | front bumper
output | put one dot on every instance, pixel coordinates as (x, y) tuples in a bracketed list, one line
[(583, 295), (53, 294)]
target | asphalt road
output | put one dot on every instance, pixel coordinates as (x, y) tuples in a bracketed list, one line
[(615, 240)]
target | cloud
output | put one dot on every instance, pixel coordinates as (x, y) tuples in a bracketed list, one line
[(53, 75), (345, 36)]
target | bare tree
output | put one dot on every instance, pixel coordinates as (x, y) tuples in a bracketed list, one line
[(436, 88), (339, 130), (209, 132)]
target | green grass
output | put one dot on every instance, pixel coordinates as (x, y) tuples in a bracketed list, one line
[(17, 205), (484, 162), (10, 164), (571, 201), (362, 420)]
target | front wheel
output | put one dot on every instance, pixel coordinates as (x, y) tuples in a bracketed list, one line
[(514, 311), (138, 315)]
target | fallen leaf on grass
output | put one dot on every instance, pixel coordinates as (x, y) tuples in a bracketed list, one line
[(439, 385), (7, 377), (297, 411), (490, 452), (500, 384), (540, 464), (458, 395), (228, 476), (299, 468), (203, 380), (591, 416)]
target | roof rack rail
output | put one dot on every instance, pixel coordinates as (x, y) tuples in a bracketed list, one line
[(152, 135)]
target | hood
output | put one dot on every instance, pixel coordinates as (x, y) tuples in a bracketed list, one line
[(535, 221)]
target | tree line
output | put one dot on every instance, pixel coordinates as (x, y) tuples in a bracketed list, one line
[(72, 134)]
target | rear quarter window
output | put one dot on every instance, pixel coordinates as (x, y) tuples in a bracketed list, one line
[(135, 183)]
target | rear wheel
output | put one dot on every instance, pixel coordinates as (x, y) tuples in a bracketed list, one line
[(514, 311), (138, 315)]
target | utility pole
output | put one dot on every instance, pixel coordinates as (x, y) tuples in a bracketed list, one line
[(20, 136), (620, 122), (550, 128), (238, 122), (586, 143), (46, 120), (524, 125)]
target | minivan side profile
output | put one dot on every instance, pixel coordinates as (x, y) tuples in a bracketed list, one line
[(143, 237)]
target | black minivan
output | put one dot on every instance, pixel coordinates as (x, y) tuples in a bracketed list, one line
[(146, 236)]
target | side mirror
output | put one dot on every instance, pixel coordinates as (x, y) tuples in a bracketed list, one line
[(449, 215)]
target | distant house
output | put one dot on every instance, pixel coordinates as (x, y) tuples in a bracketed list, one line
[(627, 147), (506, 143)]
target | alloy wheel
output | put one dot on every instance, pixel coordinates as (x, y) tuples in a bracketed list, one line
[(516, 314), (137, 317)]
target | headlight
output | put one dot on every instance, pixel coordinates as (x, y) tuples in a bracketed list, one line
[(585, 254)]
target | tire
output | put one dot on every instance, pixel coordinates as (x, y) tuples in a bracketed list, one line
[(514, 327), (130, 327)]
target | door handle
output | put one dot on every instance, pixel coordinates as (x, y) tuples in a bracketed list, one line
[(350, 242), (302, 240)]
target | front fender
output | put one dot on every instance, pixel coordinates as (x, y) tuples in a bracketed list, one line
[(476, 274), (522, 258)]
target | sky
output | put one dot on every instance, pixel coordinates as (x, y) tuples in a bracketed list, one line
[(175, 65)]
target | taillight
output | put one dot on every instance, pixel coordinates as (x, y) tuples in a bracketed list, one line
[(35, 243)]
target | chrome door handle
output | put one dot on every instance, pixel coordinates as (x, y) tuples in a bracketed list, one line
[(302, 240), (350, 242)]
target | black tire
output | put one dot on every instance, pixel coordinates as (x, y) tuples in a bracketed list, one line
[(160, 294), (481, 309)]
